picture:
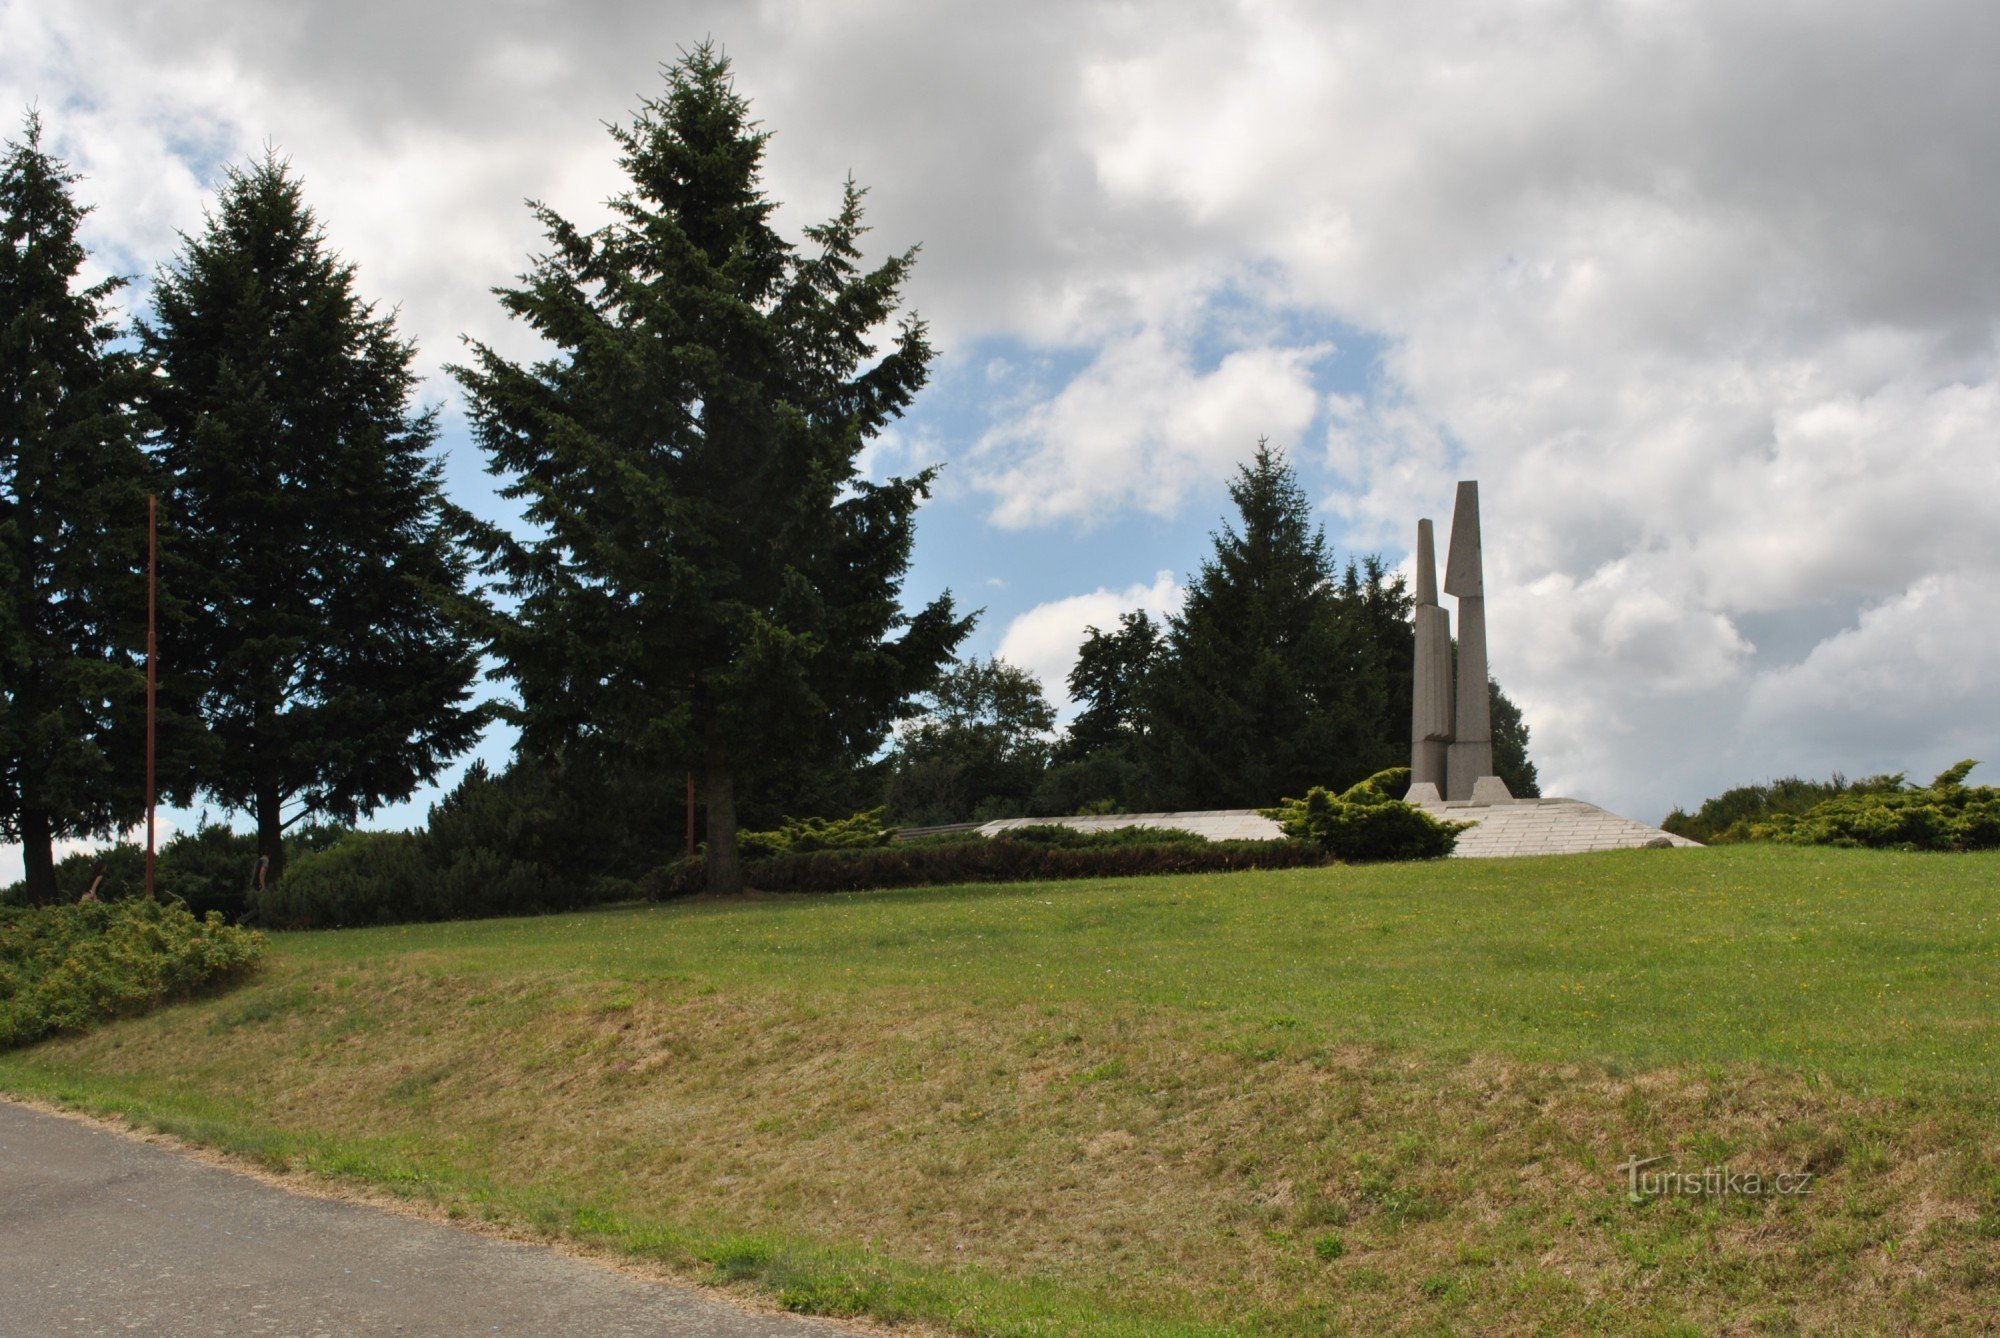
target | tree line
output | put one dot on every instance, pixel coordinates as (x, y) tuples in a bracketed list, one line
[(1282, 670), (704, 585)]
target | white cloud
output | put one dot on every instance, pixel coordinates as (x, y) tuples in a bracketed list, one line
[(1908, 687), (1045, 639), (1139, 428)]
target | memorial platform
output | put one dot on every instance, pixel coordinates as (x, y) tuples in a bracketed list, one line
[(1517, 827)]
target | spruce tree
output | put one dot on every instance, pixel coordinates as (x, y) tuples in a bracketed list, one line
[(73, 488), (1376, 605), (331, 640), (711, 585), (1510, 747), (1269, 686)]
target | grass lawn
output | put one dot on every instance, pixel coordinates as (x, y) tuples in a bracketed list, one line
[(1302, 1102)]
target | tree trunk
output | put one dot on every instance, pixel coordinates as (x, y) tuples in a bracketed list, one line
[(271, 827), (39, 859), (725, 871)]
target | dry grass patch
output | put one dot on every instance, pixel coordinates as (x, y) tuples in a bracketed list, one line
[(1200, 1167)]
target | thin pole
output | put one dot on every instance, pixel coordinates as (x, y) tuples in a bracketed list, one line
[(152, 674)]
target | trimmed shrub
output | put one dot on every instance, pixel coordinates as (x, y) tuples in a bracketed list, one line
[(801, 836), (1946, 815), (63, 968), (1367, 822), (1099, 838), (1001, 859)]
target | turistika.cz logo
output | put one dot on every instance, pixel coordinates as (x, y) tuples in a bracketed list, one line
[(1709, 1182)]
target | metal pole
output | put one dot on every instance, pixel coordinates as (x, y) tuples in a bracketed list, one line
[(152, 676)]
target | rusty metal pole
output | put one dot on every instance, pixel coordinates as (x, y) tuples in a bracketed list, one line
[(152, 673)]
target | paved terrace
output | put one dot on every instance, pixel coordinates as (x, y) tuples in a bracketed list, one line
[(1522, 827)]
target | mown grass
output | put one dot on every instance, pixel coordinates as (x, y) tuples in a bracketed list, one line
[(1290, 1102)]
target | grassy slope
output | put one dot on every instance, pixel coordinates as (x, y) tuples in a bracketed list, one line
[(1284, 1102)]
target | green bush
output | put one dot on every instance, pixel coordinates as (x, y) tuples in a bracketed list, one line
[(1001, 859), (1947, 814), (63, 968), (1730, 816), (497, 845), (364, 878), (801, 836), (1087, 838), (209, 868), (1367, 821), (513, 844)]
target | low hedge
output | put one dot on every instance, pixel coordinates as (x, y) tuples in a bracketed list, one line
[(802, 836), (1101, 838), (63, 968), (1001, 859)]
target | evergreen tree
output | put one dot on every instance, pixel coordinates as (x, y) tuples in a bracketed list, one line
[(711, 584), (1270, 685), (73, 486), (330, 641), (978, 750), (1510, 747), (1379, 611)]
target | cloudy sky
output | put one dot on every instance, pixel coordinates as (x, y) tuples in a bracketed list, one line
[(1703, 293)]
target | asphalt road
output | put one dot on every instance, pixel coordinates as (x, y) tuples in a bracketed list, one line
[(101, 1234)]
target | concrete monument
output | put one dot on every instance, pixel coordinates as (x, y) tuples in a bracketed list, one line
[(1430, 707), (1451, 723)]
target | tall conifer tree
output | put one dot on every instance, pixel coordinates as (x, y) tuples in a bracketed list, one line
[(711, 584), (1269, 686), (330, 634), (72, 529)]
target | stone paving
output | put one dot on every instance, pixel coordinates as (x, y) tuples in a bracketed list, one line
[(1220, 824), (1547, 827), (1521, 827)]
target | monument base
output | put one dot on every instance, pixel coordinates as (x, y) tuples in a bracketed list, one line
[(1427, 762), (1466, 761)]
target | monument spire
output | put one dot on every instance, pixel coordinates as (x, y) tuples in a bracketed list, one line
[(1431, 705), (1470, 757)]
